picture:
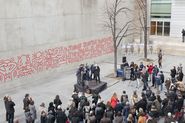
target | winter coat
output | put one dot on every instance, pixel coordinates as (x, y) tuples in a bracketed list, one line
[(157, 105), (105, 120), (114, 102), (119, 107), (173, 73), (61, 117), (150, 69), (167, 84), (162, 77), (126, 111), (158, 80), (10, 107), (169, 120), (141, 104), (26, 102), (50, 118), (33, 112), (134, 99), (28, 117), (99, 112), (110, 114), (92, 119), (118, 119), (57, 102), (142, 119)]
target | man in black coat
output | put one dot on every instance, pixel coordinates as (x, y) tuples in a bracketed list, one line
[(50, 117), (76, 98), (97, 73), (141, 104), (60, 115), (180, 76), (10, 110), (99, 112)]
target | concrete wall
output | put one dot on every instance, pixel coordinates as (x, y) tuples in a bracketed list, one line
[(177, 18), (41, 36)]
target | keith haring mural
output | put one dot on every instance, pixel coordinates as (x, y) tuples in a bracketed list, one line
[(27, 64)]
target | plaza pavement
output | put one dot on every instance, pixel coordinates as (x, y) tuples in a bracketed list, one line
[(45, 90)]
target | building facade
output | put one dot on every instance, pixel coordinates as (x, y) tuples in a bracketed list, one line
[(167, 17)]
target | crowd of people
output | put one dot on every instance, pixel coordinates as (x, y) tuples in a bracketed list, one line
[(147, 107), (87, 73)]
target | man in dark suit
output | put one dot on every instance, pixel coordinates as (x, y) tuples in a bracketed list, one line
[(97, 73)]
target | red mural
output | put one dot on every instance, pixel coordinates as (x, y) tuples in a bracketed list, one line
[(28, 64)]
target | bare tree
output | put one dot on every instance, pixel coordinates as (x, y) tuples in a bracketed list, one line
[(118, 27), (142, 16)]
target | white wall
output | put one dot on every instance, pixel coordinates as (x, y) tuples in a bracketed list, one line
[(33, 33), (177, 18), (25, 23)]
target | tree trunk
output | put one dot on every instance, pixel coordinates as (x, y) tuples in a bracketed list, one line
[(145, 30), (115, 61), (145, 43)]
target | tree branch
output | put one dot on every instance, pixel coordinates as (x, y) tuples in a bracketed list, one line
[(123, 35), (122, 29)]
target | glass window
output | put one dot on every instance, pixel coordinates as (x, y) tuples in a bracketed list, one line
[(159, 28), (161, 8), (166, 28), (153, 28)]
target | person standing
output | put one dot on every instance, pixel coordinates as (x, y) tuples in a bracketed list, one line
[(26, 101), (60, 115), (160, 58), (43, 113), (6, 106), (57, 101), (183, 35), (97, 73), (10, 110), (33, 111)]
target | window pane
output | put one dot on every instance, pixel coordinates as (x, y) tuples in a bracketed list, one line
[(159, 28), (153, 28), (161, 9), (166, 28)]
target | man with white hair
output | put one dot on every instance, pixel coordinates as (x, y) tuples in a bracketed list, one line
[(60, 115), (169, 118)]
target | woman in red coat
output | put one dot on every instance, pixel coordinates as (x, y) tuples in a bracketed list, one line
[(114, 100), (150, 69)]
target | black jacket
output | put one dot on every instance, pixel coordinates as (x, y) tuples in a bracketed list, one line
[(61, 117), (10, 107)]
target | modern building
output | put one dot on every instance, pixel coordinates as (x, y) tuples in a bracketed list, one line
[(167, 17)]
